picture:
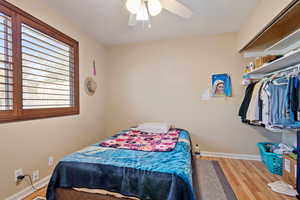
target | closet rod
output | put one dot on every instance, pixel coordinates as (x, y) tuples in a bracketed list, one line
[(284, 70)]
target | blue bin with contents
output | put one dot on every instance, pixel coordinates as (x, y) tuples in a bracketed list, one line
[(272, 161)]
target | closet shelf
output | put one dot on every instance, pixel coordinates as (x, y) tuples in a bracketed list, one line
[(288, 43), (279, 64)]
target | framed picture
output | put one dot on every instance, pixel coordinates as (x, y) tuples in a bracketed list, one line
[(221, 85)]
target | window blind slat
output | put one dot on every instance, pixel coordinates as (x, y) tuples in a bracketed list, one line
[(2, 77), (2, 40), (42, 65), (48, 71), (29, 43), (45, 77), (44, 88), (6, 102), (6, 73), (3, 24), (52, 94), (6, 94), (47, 106), (6, 87), (44, 37), (2, 48), (42, 42), (58, 59), (7, 32), (45, 82), (45, 102), (45, 59), (3, 91)]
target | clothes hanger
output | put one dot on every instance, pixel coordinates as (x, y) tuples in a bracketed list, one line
[(283, 74)]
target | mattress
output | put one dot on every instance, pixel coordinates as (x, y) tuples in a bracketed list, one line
[(139, 174)]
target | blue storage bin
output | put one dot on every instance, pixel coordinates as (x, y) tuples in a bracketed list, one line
[(272, 161)]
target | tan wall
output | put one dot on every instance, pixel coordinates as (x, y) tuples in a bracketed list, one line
[(265, 11), (163, 81), (28, 144)]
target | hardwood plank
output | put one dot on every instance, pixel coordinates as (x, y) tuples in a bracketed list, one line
[(39, 193)]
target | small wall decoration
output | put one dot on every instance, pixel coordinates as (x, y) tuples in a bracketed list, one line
[(90, 86), (221, 85)]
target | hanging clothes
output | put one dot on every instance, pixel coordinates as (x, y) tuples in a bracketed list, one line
[(245, 104), (273, 103), (278, 90), (291, 104), (253, 111), (265, 107)]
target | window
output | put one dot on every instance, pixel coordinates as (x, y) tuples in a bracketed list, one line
[(38, 68)]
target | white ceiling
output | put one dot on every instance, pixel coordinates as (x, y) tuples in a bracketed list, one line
[(107, 20)]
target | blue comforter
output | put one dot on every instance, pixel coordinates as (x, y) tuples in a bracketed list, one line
[(145, 175)]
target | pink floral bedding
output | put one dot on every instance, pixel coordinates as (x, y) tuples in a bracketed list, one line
[(141, 141)]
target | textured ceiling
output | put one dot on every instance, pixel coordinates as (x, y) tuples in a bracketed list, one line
[(107, 20)]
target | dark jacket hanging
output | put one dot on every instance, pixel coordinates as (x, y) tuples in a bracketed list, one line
[(245, 105)]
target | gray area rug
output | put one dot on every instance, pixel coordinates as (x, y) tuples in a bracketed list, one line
[(211, 181)]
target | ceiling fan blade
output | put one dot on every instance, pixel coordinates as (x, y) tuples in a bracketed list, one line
[(132, 20), (177, 8)]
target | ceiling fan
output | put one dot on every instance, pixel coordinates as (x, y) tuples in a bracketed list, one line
[(143, 10)]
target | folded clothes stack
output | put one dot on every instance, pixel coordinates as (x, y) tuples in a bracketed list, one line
[(280, 149), (283, 149)]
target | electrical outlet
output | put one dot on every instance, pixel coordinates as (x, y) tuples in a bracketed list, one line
[(35, 175), (50, 161), (18, 172)]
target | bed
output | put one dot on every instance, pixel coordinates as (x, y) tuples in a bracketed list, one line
[(133, 174)]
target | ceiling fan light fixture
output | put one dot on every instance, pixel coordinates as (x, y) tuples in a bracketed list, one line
[(154, 7), (142, 14), (133, 6)]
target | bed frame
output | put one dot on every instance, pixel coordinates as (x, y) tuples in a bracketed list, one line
[(69, 194)]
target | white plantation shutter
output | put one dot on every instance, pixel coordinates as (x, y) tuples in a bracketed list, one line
[(47, 71), (6, 67)]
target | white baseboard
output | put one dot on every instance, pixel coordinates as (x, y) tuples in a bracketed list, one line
[(231, 155), (28, 190)]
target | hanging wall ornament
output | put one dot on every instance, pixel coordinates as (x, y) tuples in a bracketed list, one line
[(90, 86)]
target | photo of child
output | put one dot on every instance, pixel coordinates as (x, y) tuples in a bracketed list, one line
[(221, 85)]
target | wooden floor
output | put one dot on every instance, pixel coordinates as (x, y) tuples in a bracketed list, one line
[(39, 193), (248, 179)]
